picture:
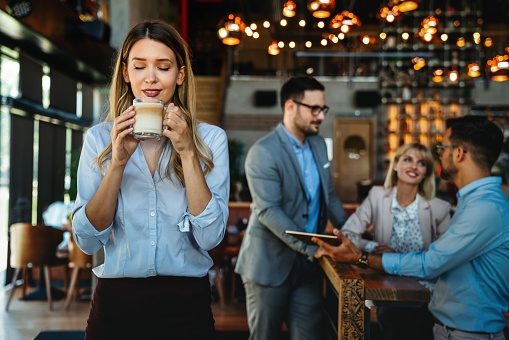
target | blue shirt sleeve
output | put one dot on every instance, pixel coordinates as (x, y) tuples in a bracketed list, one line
[(467, 237)]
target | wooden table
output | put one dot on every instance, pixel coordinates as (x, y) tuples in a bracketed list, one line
[(352, 286)]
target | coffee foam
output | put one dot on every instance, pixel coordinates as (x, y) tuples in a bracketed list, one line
[(149, 118)]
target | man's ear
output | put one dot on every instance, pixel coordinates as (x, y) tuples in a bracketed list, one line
[(290, 106), (125, 73), (461, 154)]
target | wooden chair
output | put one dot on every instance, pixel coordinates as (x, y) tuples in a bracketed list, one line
[(77, 260), (34, 246)]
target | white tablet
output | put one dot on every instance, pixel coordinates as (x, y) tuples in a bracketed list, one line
[(306, 237)]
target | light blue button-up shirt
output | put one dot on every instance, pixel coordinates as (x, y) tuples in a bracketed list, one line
[(471, 261), (152, 233), (309, 171)]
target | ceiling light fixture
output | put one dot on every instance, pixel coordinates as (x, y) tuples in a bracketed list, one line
[(474, 70), (273, 48), (321, 8), (230, 30), (344, 21), (499, 68), (429, 28), (404, 6), (289, 9)]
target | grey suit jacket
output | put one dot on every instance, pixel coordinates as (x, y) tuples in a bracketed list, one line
[(434, 217), (277, 188)]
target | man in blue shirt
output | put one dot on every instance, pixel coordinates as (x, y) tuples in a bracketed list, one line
[(471, 260), (288, 174)]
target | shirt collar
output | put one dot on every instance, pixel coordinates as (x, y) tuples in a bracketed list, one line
[(478, 183), (294, 141)]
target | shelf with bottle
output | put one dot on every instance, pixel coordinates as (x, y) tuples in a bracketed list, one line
[(417, 122), (438, 94)]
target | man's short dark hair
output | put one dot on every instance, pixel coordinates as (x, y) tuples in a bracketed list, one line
[(294, 88), (479, 136)]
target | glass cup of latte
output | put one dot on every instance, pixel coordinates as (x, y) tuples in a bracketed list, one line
[(149, 118)]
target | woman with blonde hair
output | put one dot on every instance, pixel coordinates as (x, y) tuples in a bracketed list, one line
[(405, 217), (155, 206)]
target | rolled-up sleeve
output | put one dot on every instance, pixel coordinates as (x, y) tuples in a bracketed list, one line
[(209, 226)]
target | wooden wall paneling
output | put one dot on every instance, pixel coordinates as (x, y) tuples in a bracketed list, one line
[(30, 79), (63, 92), (51, 165)]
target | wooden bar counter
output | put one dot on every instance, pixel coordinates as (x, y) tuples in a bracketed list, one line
[(352, 287)]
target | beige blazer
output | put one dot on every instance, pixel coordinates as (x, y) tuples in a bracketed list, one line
[(434, 217)]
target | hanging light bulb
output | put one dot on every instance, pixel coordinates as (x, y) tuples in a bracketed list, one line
[(289, 9), (345, 21), (453, 75), (474, 70), (230, 30), (273, 48), (429, 28), (419, 63), (321, 8), (389, 14), (438, 75), (499, 68), (404, 5)]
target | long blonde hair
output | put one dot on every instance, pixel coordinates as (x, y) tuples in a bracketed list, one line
[(121, 95), (427, 185)]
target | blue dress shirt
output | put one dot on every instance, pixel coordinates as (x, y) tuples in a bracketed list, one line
[(311, 177), (471, 261), (152, 232)]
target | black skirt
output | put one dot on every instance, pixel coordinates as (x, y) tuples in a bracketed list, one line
[(161, 307)]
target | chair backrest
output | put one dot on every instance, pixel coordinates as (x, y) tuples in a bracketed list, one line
[(77, 258), (33, 245)]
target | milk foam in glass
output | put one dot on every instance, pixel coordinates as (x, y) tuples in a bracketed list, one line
[(149, 118)]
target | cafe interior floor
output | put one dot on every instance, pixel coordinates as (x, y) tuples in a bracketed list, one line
[(26, 319)]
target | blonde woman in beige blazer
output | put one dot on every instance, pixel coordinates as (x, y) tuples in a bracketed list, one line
[(434, 217), (411, 174), (397, 212)]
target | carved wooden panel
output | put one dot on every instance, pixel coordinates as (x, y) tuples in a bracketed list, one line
[(351, 309)]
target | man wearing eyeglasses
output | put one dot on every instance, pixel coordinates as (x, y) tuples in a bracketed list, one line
[(288, 174), (471, 259)]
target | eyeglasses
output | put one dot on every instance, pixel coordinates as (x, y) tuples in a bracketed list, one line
[(441, 148), (315, 109)]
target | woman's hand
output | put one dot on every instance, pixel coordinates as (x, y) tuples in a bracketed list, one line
[(345, 252), (178, 131), (123, 143), (383, 248)]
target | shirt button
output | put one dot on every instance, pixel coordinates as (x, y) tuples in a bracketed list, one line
[(152, 243), (152, 272), (151, 186), (152, 214)]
